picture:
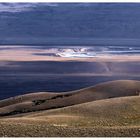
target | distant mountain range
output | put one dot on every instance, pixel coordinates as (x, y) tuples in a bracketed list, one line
[(70, 24)]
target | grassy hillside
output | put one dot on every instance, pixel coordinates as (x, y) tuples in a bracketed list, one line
[(107, 109), (110, 117), (42, 101), (123, 111)]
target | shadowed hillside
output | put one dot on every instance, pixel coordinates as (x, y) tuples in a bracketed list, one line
[(122, 111), (110, 117), (43, 101)]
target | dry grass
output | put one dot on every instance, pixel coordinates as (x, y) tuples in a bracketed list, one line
[(13, 129), (93, 111), (110, 117), (124, 111), (42, 101)]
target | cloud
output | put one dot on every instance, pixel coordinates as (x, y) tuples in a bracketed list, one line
[(15, 7), (51, 4), (19, 7)]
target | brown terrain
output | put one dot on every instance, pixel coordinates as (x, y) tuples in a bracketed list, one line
[(107, 109)]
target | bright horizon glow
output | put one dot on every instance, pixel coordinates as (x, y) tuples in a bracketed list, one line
[(67, 1)]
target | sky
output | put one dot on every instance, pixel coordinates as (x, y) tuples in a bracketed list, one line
[(71, 24)]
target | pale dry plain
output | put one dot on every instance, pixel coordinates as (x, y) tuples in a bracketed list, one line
[(27, 54)]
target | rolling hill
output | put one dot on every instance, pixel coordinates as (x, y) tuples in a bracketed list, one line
[(122, 111), (44, 101), (108, 117)]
